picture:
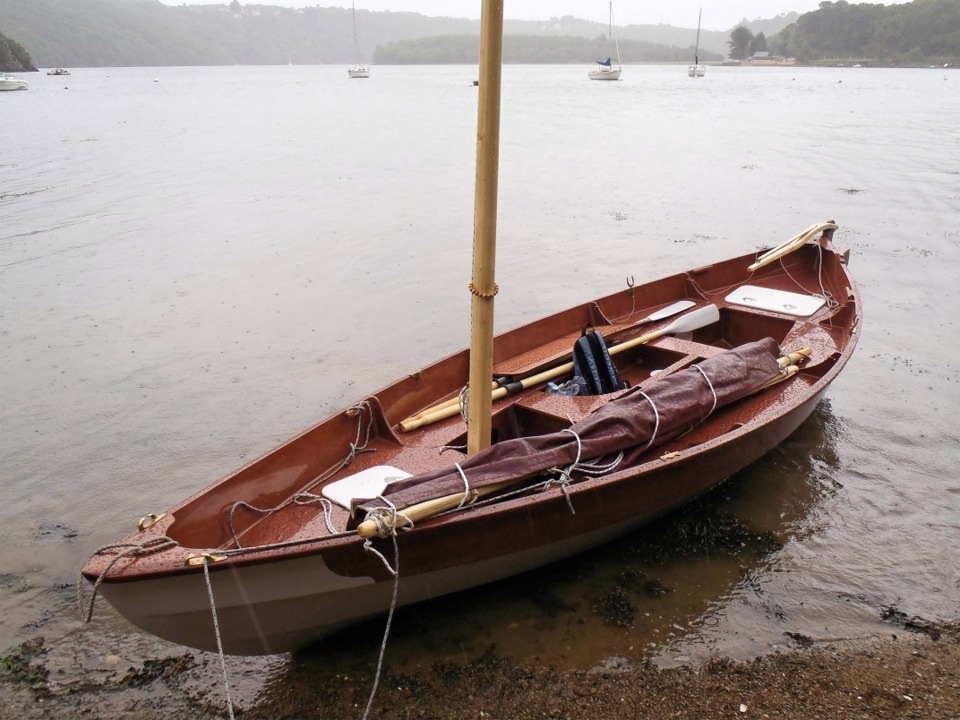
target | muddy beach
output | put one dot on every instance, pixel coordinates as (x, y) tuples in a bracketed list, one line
[(909, 666), (914, 672)]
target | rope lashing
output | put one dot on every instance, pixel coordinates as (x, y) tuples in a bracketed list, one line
[(386, 520), (481, 294), (463, 400), (466, 487), (216, 630), (824, 294), (712, 391), (656, 420), (562, 477), (309, 498), (154, 545), (395, 571), (305, 496)]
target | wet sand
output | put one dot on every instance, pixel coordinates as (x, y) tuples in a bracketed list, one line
[(914, 672)]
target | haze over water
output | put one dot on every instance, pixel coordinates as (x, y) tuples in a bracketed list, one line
[(198, 263)]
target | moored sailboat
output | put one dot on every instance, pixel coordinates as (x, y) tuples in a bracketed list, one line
[(606, 70), (697, 70), (358, 69)]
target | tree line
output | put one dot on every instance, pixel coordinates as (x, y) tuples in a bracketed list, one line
[(529, 49), (105, 33), (917, 32), (13, 56)]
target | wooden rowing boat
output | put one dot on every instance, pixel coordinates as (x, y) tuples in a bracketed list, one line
[(304, 541)]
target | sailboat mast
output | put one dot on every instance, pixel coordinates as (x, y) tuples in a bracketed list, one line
[(356, 43), (696, 50), (615, 44), (482, 287)]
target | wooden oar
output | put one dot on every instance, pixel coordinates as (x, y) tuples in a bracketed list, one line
[(691, 321), (660, 314), (794, 357), (788, 372), (499, 382), (794, 243), (663, 313)]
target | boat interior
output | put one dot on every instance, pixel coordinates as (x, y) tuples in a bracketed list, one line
[(280, 498)]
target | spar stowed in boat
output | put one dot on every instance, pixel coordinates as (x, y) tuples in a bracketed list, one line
[(740, 363)]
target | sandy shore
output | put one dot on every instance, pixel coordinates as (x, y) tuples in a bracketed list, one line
[(912, 673)]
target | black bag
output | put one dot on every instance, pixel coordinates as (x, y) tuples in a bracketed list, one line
[(592, 362)]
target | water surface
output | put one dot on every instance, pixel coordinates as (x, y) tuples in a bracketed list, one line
[(198, 263)]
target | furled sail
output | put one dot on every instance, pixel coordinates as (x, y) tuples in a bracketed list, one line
[(641, 418)]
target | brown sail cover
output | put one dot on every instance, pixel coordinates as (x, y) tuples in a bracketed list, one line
[(641, 418)]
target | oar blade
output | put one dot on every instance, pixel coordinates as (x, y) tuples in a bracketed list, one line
[(701, 317), (669, 310)]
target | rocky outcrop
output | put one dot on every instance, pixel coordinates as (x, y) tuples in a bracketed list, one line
[(13, 58)]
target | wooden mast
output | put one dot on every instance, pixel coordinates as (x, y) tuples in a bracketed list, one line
[(483, 287)]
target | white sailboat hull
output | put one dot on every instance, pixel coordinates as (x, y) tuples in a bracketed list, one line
[(359, 71), (696, 70), (605, 74)]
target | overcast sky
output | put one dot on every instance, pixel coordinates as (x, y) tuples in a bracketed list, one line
[(717, 14)]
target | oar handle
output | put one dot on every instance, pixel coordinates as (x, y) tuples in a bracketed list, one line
[(794, 243), (499, 382), (435, 506), (443, 412)]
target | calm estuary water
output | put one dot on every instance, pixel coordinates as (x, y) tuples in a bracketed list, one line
[(197, 263)]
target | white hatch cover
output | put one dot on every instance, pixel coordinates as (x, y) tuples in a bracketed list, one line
[(363, 485), (775, 300)]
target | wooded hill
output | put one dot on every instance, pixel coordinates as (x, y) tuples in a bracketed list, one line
[(91, 33), (921, 31)]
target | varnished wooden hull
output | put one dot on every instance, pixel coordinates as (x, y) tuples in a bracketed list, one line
[(284, 581)]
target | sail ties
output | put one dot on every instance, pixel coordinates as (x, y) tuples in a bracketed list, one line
[(712, 391), (564, 476), (466, 488), (388, 520)]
